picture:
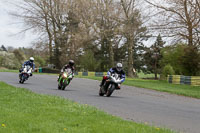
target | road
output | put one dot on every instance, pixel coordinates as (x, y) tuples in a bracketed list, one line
[(161, 109)]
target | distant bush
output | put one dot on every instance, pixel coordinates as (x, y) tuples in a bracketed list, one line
[(184, 59), (8, 60), (50, 70), (39, 61), (167, 70), (88, 62)]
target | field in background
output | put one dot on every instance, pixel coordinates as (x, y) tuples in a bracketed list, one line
[(23, 111)]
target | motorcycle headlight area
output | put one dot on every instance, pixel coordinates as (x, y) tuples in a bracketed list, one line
[(64, 75)]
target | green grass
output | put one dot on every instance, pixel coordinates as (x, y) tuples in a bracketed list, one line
[(17, 71), (142, 75), (159, 85), (8, 70), (22, 111)]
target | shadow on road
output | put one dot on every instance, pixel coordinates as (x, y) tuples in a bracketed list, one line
[(107, 97), (64, 90)]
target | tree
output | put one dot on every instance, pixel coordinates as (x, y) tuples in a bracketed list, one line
[(167, 70), (19, 55), (39, 62), (172, 55), (191, 61), (3, 48), (105, 26), (138, 57), (88, 61), (69, 28), (54, 19), (153, 56), (132, 29), (184, 59), (178, 18)]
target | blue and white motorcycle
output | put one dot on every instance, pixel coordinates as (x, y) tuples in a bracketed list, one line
[(111, 84), (24, 75)]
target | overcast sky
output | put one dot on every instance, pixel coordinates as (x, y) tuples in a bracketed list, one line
[(9, 29)]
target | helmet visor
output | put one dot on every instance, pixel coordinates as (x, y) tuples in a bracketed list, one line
[(119, 69)]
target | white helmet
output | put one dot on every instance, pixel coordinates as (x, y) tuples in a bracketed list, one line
[(31, 59), (119, 67)]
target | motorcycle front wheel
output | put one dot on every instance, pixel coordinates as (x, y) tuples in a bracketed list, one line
[(100, 91), (110, 90), (64, 84), (22, 79)]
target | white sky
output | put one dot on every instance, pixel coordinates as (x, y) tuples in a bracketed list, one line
[(9, 29)]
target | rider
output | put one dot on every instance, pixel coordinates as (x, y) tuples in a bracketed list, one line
[(69, 65), (30, 63), (118, 70)]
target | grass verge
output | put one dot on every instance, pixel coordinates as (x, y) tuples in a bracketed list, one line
[(159, 85), (17, 71), (8, 70), (22, 111)]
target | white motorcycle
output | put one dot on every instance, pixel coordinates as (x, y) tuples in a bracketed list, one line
[(24, 75), (110, 85)]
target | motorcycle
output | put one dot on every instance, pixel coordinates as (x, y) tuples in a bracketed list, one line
[(64, 79), (24, 75), (110, 85)]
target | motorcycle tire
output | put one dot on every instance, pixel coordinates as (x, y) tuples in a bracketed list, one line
[(100, 92), (59, 87), (109, 91), (22, 80), (64, 85)]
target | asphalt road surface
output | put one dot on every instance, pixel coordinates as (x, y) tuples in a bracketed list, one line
[(161, 109)]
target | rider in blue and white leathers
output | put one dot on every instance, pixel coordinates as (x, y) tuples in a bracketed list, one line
[(119, 71), (30, 63)]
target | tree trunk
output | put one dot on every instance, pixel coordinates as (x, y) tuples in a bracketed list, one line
[(111, 54), (189, 24), (155, 70), (130, 57), (50, 39)]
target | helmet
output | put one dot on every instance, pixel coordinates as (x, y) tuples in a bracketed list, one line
[(119, 67), (31, 59), (71, 62)]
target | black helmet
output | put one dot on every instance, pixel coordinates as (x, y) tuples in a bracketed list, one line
[(119, 67), (71, 62)]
